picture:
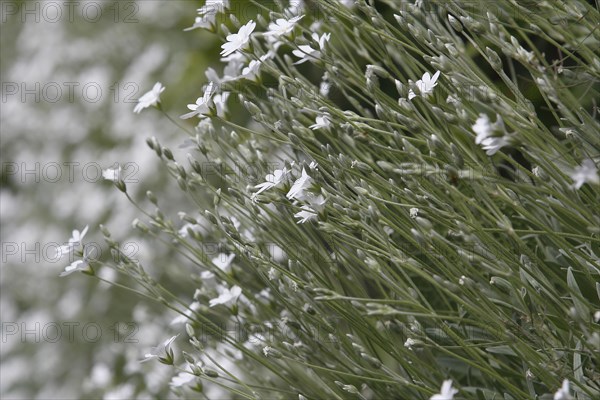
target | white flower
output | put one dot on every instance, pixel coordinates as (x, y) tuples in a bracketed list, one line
[(425, 85), (77, 265), (483, 128), (307, 214), (203, 104), (223, 261), (299, 186), (207, 14), (586, 172), (322, 121), (267, 350), (272, 180), (112, 174), (306, 52), (162, 352), (447, 392), (492, 144), (410, 343), (414, 212), (220, 102), (181, 379), (182, 318), (251, 71), (150, 98), (313, 165), (282, 26), (563, 392), (226, 296), (74, 241), (238, 41)]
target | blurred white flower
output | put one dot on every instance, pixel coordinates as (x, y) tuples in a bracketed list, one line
[(150, 98), (306, 52), (162, 352), (78, 265), (322, 121), (491, 145), (181, 379), (425, 85), (112, 174), (207, 14), (300, 185), (483, 128), (586, 172), (447, 392), (223, 261), (307, 214), (282, 26), (238, 41), (272, 180), (74, 241), (203, 104), (226, 296), (563, 392), (414, 212)]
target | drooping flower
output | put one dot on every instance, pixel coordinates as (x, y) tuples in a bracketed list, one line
[(238, 41), (563, 392), (425, 85), (203, 104), (226, 296), (162, 352), (307, 53), (300, 185), (447, 392), (586, 172), (271, 180), (150, 98)]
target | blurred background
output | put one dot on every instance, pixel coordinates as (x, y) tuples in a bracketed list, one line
[(71, 74)]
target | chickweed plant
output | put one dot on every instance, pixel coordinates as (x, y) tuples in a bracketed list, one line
[(387, 200)]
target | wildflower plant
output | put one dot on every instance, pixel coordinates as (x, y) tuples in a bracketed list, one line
[(387, 208)]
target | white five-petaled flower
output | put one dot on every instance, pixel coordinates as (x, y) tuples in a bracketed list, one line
[(414, 212), (226, 296), (272, 180), (300, 185), (150, 98), (238, 41), (78, 265), (425, 85), (586, 172), (112, 174), (563, 392), (447, 392), (203, 104), (306, 52), (74, 241), (322, 121), (282, 26), (162, 352)]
